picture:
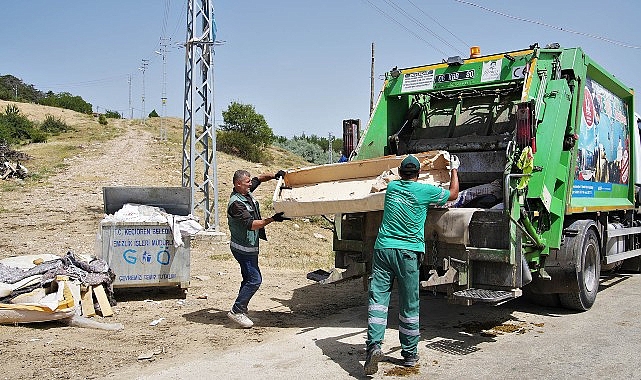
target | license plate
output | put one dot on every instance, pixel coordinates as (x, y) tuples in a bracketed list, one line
[(455, 76)]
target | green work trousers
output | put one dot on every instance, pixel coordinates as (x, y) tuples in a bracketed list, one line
[(389, 264)]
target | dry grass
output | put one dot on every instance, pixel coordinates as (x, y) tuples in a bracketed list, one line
[(295, 245)]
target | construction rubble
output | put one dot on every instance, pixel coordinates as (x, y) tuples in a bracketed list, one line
[(72, 288), (9, 170)]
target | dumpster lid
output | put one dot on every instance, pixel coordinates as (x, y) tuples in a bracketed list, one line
[(174, 200)]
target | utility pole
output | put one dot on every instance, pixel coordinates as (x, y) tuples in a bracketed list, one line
[(371, 91), (163, 98), (131, 109), (199, 146), (145, 62), (331, 159)]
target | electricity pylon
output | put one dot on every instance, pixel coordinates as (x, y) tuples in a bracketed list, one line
[(199, 142)]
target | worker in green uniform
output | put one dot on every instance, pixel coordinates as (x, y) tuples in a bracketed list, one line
[(399, 246)]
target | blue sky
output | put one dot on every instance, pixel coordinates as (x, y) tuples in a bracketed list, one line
[(304, 65)]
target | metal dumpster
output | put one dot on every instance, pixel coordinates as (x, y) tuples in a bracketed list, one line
[(143, 253)]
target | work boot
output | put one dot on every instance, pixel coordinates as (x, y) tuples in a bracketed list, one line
[(410, 360), (241, 319), (374, 355)]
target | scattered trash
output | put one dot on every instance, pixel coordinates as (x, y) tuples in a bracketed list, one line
[(156, 321), (38, 288), (318, 275), (204, 278), (80, 321), (319, 236), (149, 355), (152, 301), (222, 273), (146, 356), (9, 170), (202, 296)]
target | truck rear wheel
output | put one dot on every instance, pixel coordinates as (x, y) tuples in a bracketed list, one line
[(588, 267)]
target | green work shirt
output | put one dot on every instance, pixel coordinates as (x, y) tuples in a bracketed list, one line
[(404, 213)]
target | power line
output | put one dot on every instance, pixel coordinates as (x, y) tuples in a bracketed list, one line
[(614, 42), (439, 24), (420, 24), (165, 16), (403, 26), (180, 20), (88, 83)]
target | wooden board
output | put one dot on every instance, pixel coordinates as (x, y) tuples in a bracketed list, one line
[(105, 307), (348, 187), (87, 303)]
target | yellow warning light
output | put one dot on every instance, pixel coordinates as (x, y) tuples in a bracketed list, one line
[(475, 51)]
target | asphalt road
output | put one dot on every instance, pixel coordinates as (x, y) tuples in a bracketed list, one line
[(513, 340)]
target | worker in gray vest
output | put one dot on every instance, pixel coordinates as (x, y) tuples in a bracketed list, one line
[(247, 227)]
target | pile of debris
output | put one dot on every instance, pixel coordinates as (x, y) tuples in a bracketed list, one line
[(37, 288), (9, 170)]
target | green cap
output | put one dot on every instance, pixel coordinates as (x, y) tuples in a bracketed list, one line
[(409, 164)]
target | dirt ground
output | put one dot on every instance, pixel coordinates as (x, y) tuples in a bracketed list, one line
[(61, 213)]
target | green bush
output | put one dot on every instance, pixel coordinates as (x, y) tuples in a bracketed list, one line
[(38, 136), (306, 149), (113, 115), (102, 119), (15, 128), (53, 125), (238, 144), (153, 114)]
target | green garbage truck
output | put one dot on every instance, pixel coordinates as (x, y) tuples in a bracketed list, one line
[(547, 140)]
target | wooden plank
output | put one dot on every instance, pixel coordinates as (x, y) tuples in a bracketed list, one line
[(359, 169), (352, 195), (105, 307), (87, 303)]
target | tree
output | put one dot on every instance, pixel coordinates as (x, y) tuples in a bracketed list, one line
[(66, 100), (113, 114), (306, 149), (245, 132)]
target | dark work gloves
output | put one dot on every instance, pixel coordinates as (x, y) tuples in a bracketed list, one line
[(280, 173), (278, 217)]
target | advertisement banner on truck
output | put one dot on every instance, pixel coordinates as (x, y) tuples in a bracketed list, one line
[(603, 157)]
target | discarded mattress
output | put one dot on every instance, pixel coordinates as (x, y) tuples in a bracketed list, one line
[(355, 186), (37, 288)]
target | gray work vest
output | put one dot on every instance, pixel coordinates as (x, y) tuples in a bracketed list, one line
[(244, 240)]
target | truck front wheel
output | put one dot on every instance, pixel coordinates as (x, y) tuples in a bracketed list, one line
[(588, 268)]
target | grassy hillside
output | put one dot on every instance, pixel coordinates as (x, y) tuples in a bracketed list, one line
[(51, 156)]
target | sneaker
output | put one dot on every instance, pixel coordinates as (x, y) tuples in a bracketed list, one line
[(241, 319), (374, 355), (411, 360)]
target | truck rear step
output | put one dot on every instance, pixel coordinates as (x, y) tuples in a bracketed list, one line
[(485, 295)]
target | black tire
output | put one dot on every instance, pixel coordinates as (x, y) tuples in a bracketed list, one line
[(588, 269)]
